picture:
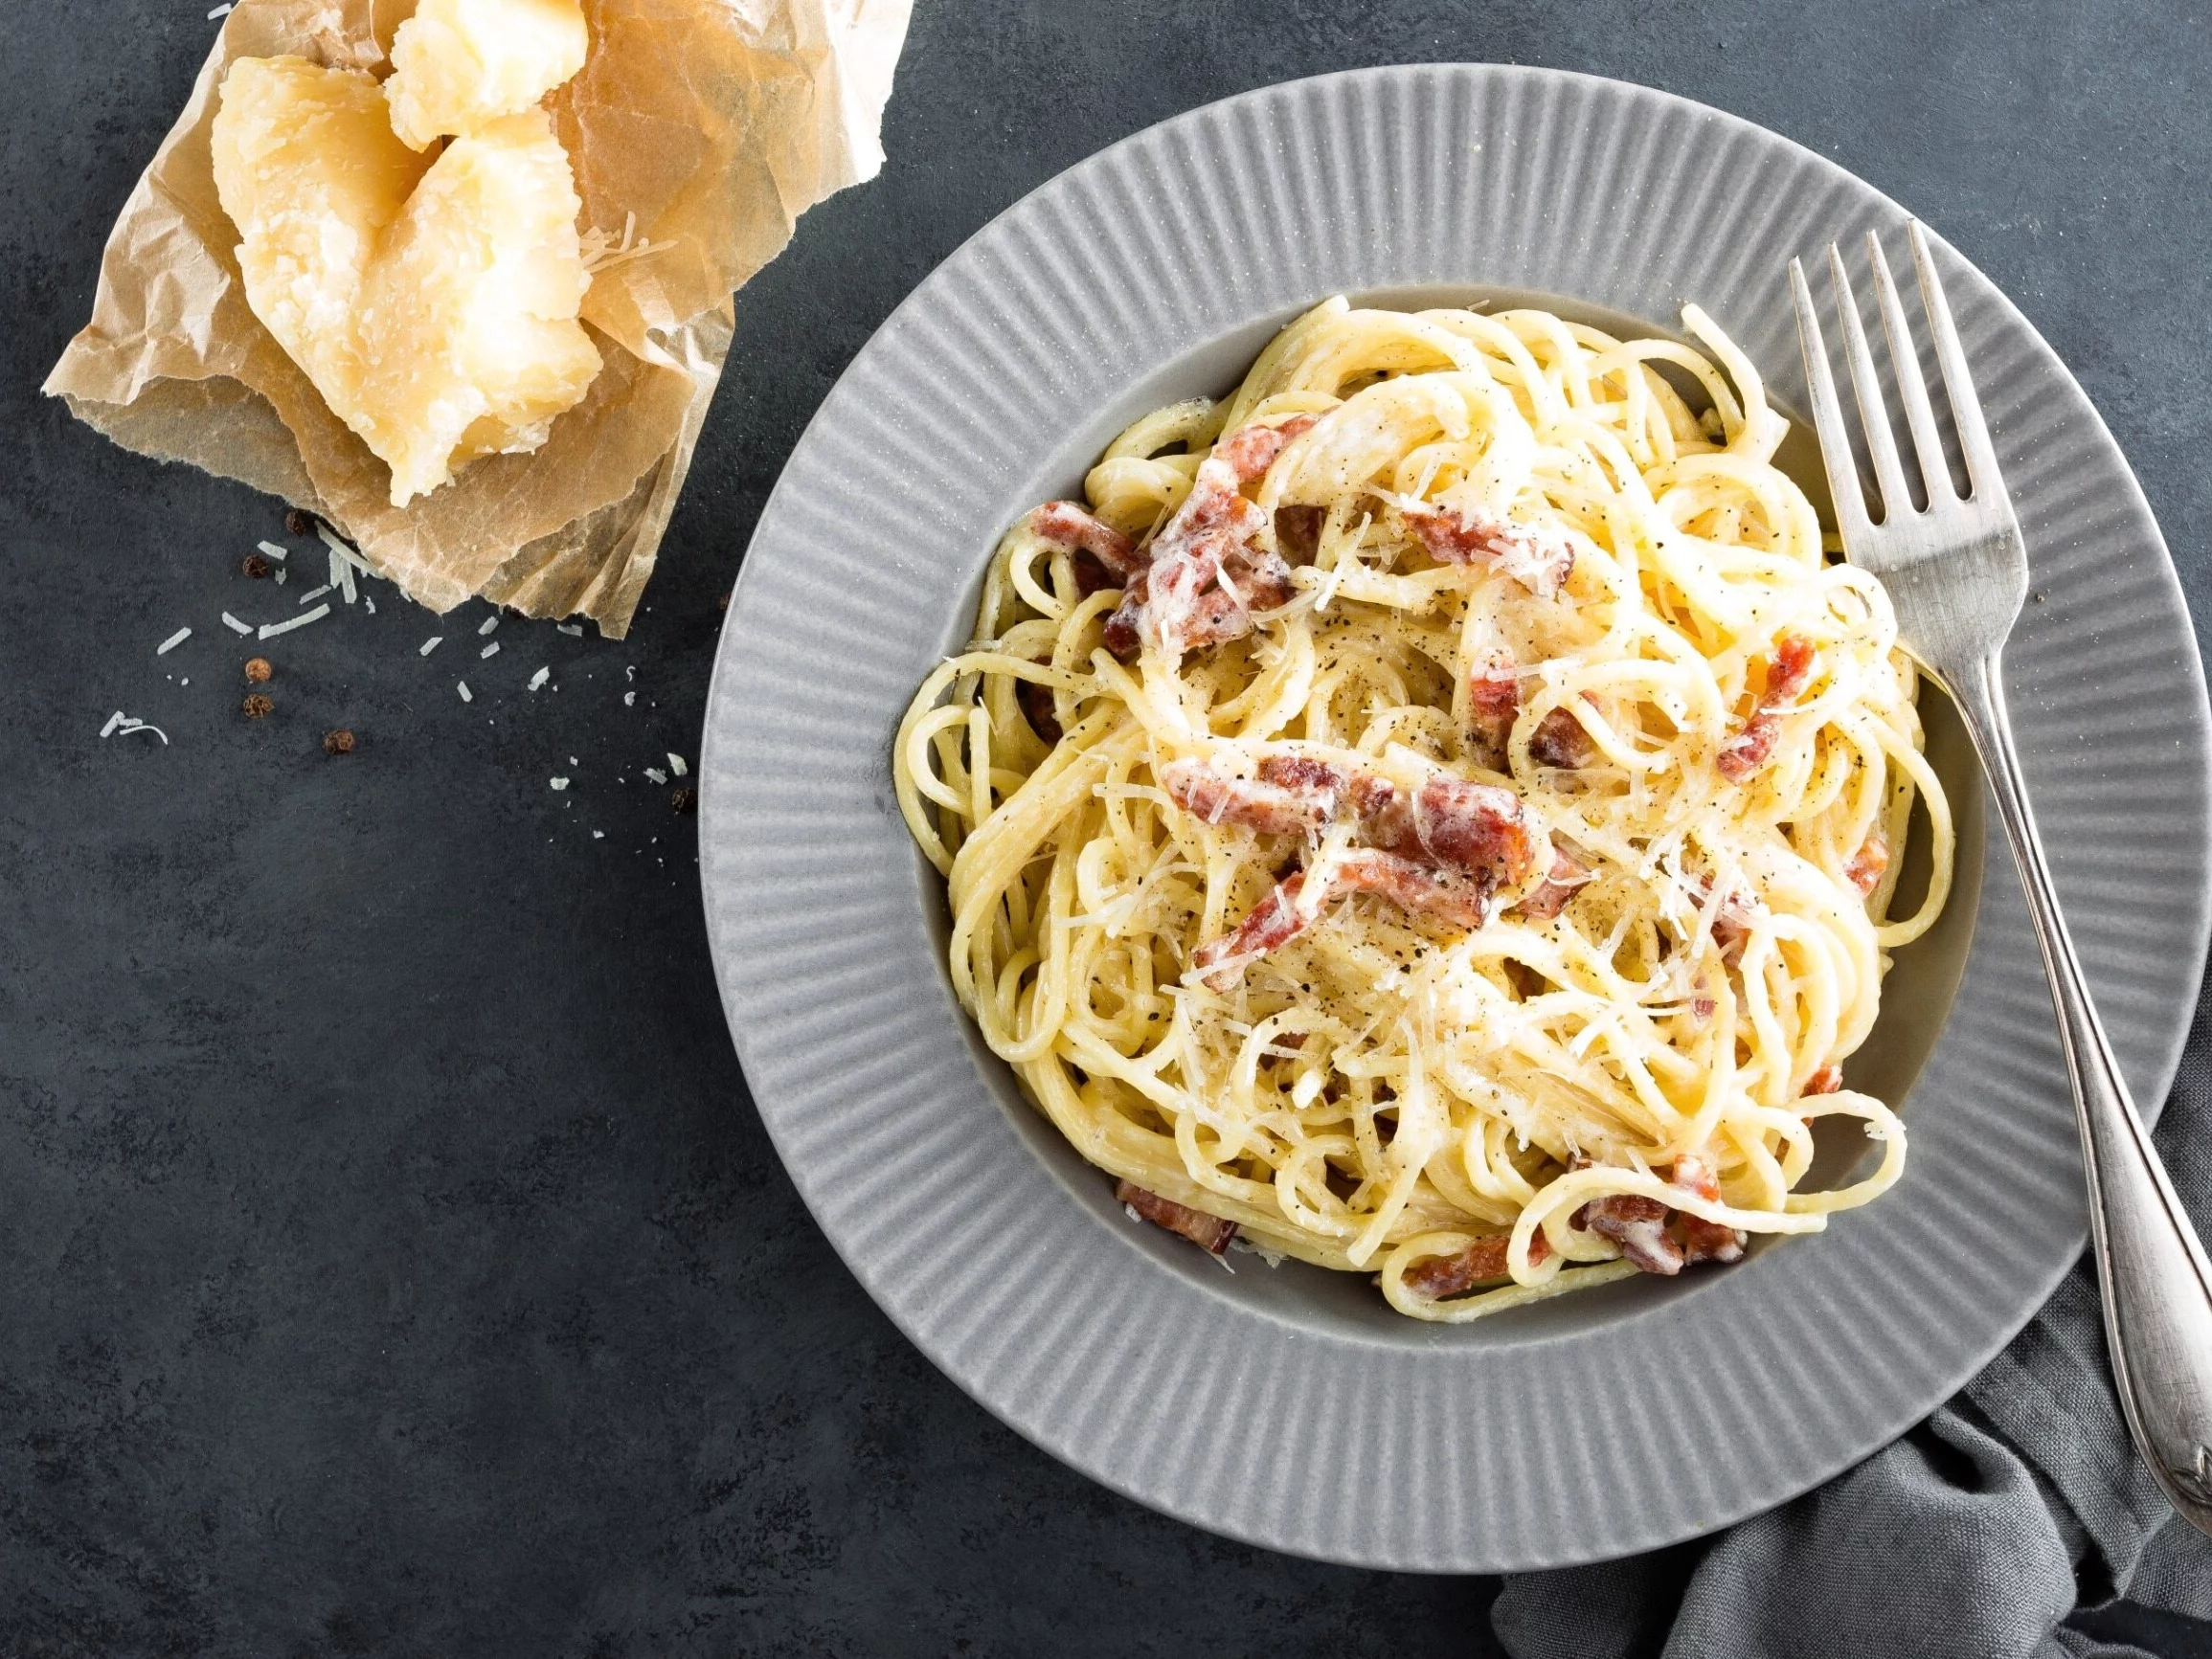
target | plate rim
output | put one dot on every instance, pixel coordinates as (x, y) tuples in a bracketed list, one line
[(873, 1274)]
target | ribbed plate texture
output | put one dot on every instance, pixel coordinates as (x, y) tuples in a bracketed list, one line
[(1273, 1406)]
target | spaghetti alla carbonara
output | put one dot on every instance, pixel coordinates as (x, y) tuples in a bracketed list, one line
[(1433, 812)]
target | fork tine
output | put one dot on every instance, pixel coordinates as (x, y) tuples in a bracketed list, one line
[(1873, 411), (1911, 387), (1981, 471), (1844, 487)]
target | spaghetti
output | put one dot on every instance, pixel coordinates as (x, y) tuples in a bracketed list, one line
[(1431, 814)]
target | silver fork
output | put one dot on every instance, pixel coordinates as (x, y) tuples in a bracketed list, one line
[(1957, 574)]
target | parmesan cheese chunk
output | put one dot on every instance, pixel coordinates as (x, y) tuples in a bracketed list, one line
[(433, 303), (473, 307), (459, 65)]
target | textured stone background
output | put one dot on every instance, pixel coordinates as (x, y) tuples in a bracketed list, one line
[(393, 1262)]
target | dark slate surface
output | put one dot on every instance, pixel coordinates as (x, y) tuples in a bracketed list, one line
[(393, 1261)]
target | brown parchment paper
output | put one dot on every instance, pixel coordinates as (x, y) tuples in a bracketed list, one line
[(716, 122)]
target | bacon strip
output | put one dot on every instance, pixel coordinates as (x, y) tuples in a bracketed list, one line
[(1210, 1233), (1564, 879), (1251, 449), (1416, 888), (1869, 864), (1703, 1241), (1080, 530), (1436, 1277), (1787, 672), (1539, 557), (1267, 926), (1827, 1080), (1477, 830), (1264, 805), (1560, 741), (1204, 576), (1493, 705), (1639, 1226)]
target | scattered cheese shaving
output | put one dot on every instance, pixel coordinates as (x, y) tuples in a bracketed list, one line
[(234, 625), (124, 724), (676, 764), (490, 623), (540, 678), (172, 641), (270, 630), (490, 650), (430, 644), (315, 593), (221, 11), (462, 686), (629, 700), (656, 775), (281, 576), (557, 782), (598, 835), (369, 600), (345, 579), (575, 629), (280, 555)]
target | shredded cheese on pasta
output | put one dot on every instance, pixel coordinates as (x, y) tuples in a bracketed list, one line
[(1495, 550)]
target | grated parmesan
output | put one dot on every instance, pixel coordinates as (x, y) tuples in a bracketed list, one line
[(430, 644), (315, 593), (557, 783), (575, 629), (490, 650), (629, 700), (676, 764), (656, 775), (462, 686), (113, 721), (490, 623), (540, 678), (234, 625), (270, 630), (598, 835), (274, 551), (280, 577), (172, 641)]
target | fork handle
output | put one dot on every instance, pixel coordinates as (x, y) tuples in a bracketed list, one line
[(2157, 1288)]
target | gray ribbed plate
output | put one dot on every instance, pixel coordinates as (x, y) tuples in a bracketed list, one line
[(1290, 1407)]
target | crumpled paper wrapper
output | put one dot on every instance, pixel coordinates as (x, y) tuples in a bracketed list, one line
[(716, 122)]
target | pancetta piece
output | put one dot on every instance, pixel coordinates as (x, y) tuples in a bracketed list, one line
[(1493, 705), (1869, 864), (1827, 1080), (1418, 889), (1267, 926), (1752, 747), (1566, 877), (1560, 741), (1260, 805), (1210, 1233), (1539, 557), (1204, 576), (1436, 1277), (1481, 830), (1250, 450), (1080, 531), (1639, 1226), (1702, 1241)]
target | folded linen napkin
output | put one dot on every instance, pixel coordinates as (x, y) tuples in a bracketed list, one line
[(2018, 1504)]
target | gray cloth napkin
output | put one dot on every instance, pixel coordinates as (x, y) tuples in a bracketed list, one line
[(1974, 1537)]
